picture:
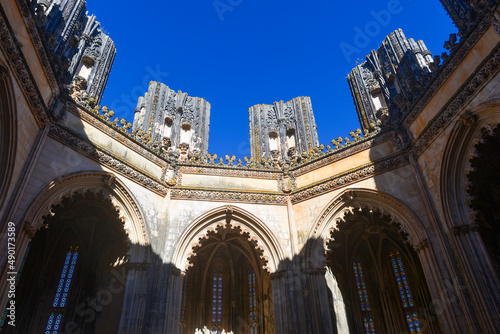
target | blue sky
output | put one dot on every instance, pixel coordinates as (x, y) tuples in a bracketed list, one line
[(238, 53)]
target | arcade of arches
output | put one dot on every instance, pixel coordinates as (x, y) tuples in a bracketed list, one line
[(109, 227)]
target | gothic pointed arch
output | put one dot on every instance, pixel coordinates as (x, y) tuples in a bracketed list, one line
[(8, 131), (368, 242), (84, 230), (470, 201), (227, 255), (235, 217), (91, 181), (472, 127), (355, 199)]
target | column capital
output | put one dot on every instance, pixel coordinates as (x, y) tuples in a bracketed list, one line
[(422, 245), (277, 274), (29, 230), (177, 272), (317, 271), (137, 265)]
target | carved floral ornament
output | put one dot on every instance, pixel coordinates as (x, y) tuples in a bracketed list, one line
[(236, 219), (340, 144), (358, 200), (101, 184)]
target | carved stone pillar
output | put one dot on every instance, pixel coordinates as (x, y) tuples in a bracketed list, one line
[(174, 300), (300, 299), (444, 301), (319, 305), (482, 280), (134, 301), (282, 323)]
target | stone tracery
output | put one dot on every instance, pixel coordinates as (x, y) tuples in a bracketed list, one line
[(233, 217), (356, 200), (99, 183)]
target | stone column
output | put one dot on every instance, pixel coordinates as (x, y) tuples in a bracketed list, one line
[(174, 301), (134, 301), (281, 323), (319, 305), (176, 129), (481, 278), (444, 302)]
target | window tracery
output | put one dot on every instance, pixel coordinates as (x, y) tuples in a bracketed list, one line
[(61, 296), (368, 317), (217, 300), (404, 292), (379, 263), (252, 292)]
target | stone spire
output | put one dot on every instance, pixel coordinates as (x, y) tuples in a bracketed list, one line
[(282, 130), (177, 121), (391, 78), (83, 54)]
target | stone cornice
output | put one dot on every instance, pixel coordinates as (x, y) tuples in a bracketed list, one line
[(229, 196), (319, 188), (39, 46), (342, 153), (16, 59), (224, 171), (344, 179), (114, 133), (66, 137), (488, 68), (448, 68), (69, 139)]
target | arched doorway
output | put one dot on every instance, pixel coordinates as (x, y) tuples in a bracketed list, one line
[(227, 256), (57, 226), (484, 191), (69, 280), (470, 202), (370, 234), (379, 276), (226, 287)]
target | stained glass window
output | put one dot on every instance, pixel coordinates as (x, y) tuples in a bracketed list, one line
[(61, 296), (252, 292), (404, 292), (366, 310), (217, 300)]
